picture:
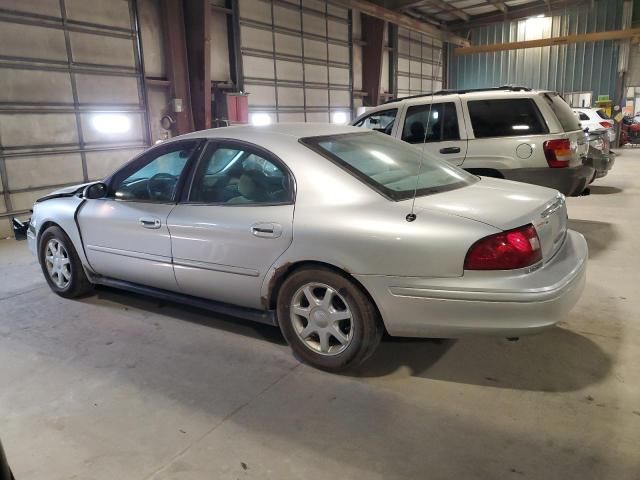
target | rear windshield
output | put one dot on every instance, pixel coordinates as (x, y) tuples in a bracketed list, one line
[(602, 114), (388, 165), (563, 111), (505, 118)]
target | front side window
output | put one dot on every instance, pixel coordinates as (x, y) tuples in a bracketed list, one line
[(431, 123), (379, 121), (393, 168), (156, 180), (228, 175), (506, 118)]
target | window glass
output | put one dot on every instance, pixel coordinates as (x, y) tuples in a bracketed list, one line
[(379, 121), (389, 166), (157, 179), (583, 116), (602, 114), (563, 112), (235, 176), (507, 118), (438, 121)]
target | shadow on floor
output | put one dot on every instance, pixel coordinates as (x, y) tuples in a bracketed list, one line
[(604, 190), (191, 314), (558, 360), (599, 235)]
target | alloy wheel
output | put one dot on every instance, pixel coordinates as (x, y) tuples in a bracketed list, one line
[(58, 263), (322, 319)]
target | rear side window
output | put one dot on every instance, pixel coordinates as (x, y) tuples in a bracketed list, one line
[(379, 121), (583, 116), (602, 114), (506, 118), (563, 111), (431, 123)]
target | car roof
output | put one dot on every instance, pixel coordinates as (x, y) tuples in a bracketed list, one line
[(474, 95), (293, 130)]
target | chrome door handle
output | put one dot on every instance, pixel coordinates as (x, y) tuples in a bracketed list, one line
[(266, 230), (150, 222)]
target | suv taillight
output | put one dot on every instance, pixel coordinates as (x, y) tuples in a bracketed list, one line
[(606, 124), (557, 152), (517, 248)]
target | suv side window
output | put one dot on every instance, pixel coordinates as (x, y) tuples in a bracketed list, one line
[(434, 123), (506, 118), (231, 174), (379, 121)]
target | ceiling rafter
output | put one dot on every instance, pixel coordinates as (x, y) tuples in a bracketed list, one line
[(499, 4), (447, 7)]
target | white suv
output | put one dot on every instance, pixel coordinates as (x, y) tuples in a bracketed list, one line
[(506, 132)]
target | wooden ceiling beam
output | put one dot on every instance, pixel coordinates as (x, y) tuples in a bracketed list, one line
[(546, 42)]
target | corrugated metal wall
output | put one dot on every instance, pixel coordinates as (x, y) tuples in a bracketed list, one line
[(581, 67)]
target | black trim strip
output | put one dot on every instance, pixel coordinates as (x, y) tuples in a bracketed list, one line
[(261, 316)]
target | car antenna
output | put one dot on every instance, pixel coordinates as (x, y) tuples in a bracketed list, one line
[(411, 216)]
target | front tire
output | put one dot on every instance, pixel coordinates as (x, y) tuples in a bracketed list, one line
[(328, 321), (61, 265)]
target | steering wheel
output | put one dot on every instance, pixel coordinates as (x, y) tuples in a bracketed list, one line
[(162, 186)]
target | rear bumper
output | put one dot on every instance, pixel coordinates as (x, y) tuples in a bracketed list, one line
[(601, 162), (496, 303), (570, 181)]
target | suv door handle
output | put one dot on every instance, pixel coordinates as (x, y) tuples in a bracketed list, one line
[(450, 150), (148, 222), (266, 230)]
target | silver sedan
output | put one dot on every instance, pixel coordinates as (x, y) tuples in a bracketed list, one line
[(332, 233)]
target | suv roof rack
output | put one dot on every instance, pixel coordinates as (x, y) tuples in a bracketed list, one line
[(508, 88)]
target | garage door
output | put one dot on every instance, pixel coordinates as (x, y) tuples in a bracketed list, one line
[(296, 60), (71, 103), (419, 63)]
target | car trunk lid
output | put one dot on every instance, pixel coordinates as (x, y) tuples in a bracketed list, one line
[(506, 205)]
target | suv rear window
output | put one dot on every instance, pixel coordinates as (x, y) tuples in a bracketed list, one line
[(563, 111), (506, 118)]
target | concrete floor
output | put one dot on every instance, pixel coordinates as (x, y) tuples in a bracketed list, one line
[(120, 387)]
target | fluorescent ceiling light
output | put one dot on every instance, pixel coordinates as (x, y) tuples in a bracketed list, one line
[(520, 127), (260, 119), (111, 123), (339, 117)]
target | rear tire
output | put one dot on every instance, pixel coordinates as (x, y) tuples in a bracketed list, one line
[(328, 321), (61, 265)]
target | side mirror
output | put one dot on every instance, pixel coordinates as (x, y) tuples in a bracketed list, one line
[(95, 190)]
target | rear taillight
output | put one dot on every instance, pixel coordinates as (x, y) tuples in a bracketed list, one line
[(606, 124), (516, 248), (558, 152)]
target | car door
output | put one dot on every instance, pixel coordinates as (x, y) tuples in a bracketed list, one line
[(440, 127), (125, 234), (235, 220)]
